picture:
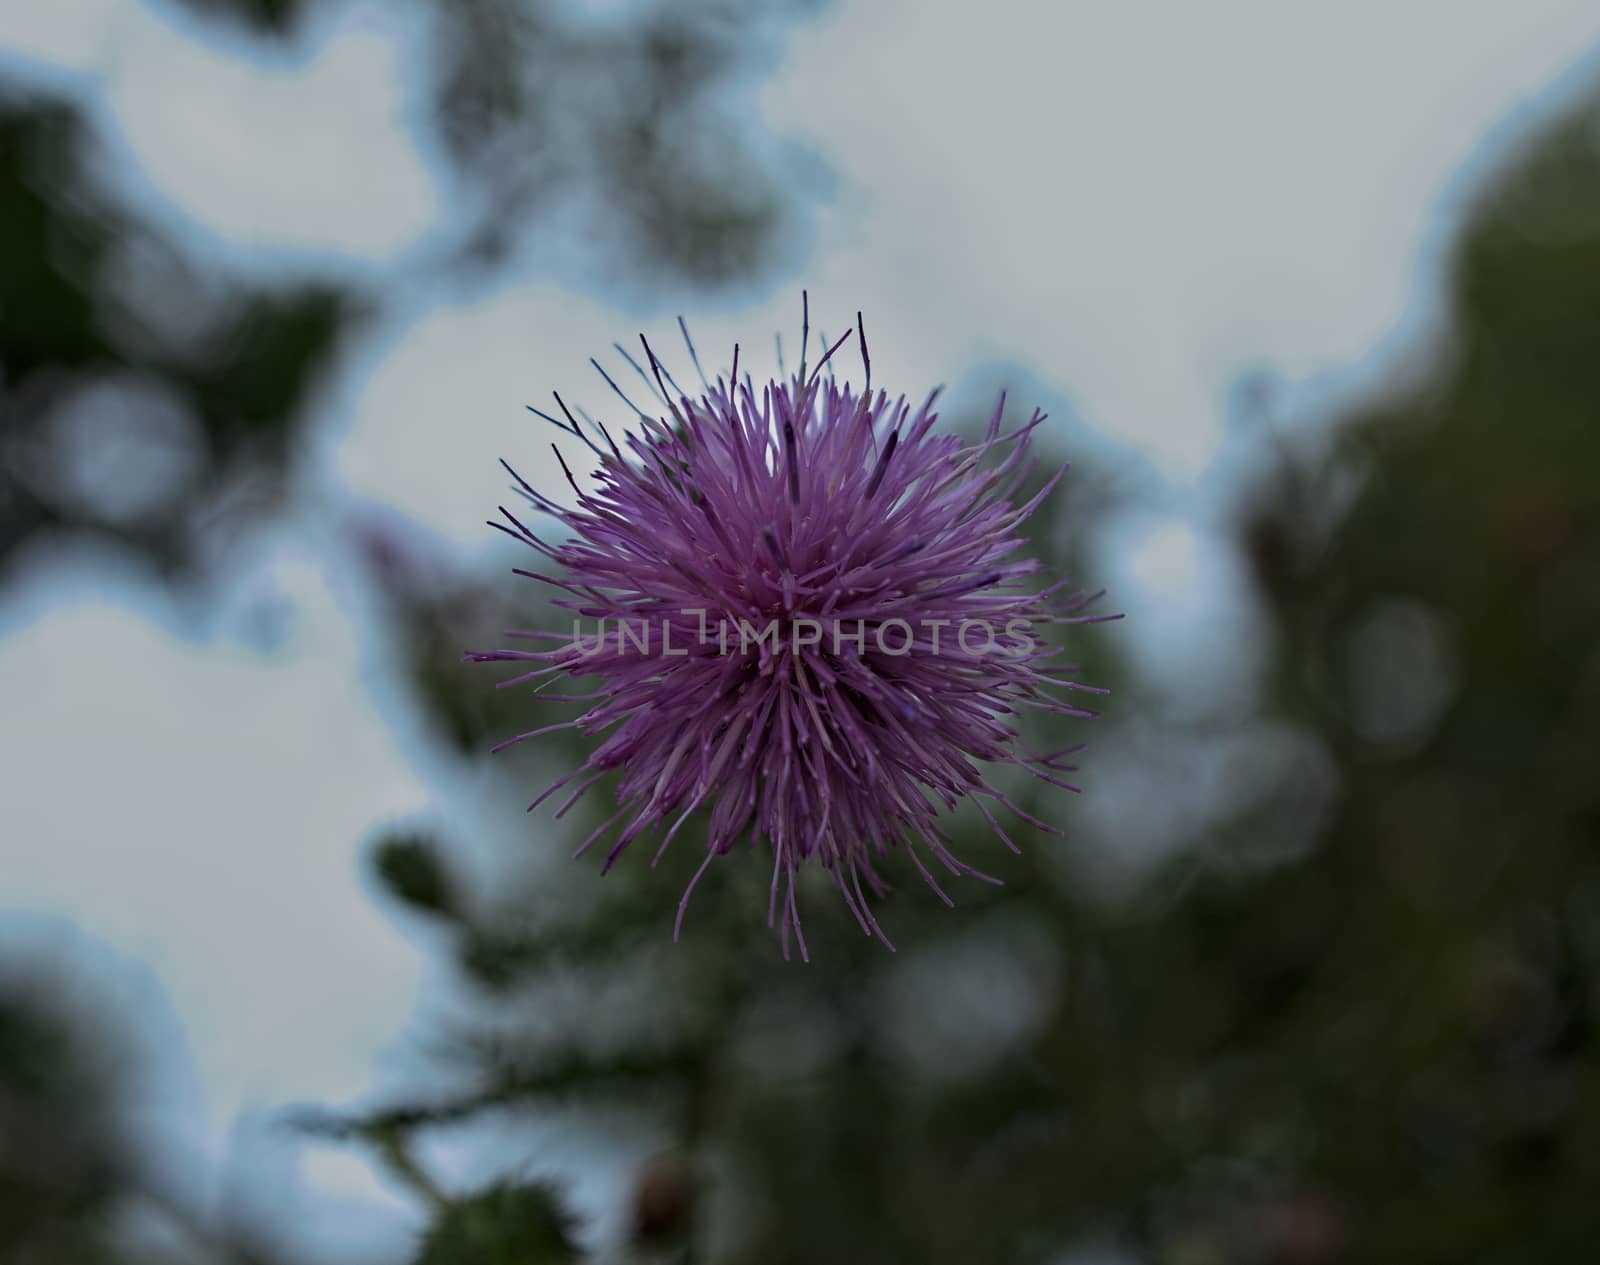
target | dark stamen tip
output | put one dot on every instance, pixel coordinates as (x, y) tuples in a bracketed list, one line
[(771, 537), (883, 463), (792, 461)]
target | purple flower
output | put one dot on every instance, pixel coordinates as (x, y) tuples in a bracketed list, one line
[(808, 619)]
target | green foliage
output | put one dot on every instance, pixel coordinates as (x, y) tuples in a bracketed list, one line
[(537, 110), (272, 17), (56, 1163), (508, 1225), (412, 869), (72, 321), (68, 1087)]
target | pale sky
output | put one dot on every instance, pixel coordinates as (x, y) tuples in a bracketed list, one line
[(1136, 201)]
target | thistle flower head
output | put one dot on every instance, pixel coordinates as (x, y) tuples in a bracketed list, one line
[(808, 617)]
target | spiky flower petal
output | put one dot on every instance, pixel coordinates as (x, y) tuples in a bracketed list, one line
[(806, 611)]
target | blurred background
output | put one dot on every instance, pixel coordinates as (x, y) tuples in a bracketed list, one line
[(1312, 295)]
